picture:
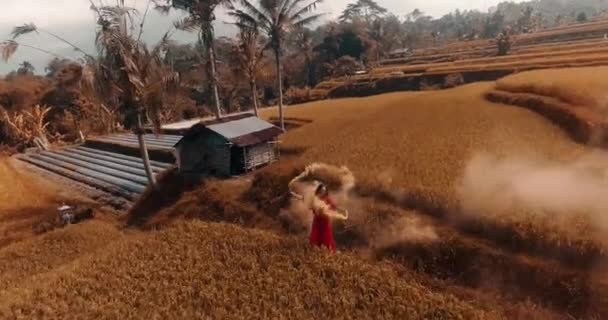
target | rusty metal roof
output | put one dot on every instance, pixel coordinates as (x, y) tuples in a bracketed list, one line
[(241, 129)]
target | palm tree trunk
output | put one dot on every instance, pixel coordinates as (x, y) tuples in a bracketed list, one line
[(277, 54), (144, 153), (308, 70), (254, 97), (216, 94)]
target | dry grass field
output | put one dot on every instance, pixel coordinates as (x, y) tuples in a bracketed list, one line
[(421, 140), (462, 208), (484, 201), (26, 198), (198, 271), (411, 154), (418, 147), (31, 261)]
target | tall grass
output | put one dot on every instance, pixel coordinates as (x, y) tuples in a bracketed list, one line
[(200, 270)]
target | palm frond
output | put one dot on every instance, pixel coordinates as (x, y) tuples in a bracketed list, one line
[(188, 23), (308, 20), (8, 47), (164, 44), (171, 82), (254, 12), (243, 20), (94, 7), (114, 14), (24, 29), (286, 4), (293, 6), (306, 9)]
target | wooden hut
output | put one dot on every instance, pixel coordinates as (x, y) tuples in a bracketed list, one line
[(229, 146)]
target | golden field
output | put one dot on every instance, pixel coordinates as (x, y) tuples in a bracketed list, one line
[(412, 149), (198, 271), (26, 199), (416, 147), (421, 139)]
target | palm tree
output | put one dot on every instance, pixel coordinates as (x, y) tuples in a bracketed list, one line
[(276, 18), (305, 39), (248, 53), (201, 18), (32, 28), (26, 68), (9, 47), (130, 74), (125, 72)]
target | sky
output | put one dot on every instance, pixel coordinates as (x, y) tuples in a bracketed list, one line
[(73, 20)]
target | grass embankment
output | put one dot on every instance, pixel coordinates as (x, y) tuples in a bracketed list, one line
[(586, 87), (573, 98)]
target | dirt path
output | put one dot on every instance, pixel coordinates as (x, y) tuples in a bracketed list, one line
[(26, 198)]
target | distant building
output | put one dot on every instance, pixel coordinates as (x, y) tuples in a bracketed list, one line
[(229, 146)]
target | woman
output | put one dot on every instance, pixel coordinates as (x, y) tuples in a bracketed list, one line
[(324, 209)]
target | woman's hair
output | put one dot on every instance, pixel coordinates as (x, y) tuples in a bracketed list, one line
[(321, 189)]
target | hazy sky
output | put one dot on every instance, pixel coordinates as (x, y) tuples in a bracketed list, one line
[(73, 20)]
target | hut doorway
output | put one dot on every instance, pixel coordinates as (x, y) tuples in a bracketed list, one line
[(237, 161)]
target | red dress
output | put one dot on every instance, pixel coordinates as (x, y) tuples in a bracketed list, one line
[(321, 233)]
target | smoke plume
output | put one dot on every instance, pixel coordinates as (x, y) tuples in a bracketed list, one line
[(559, 191), (339, 181), (403, 229), (379, 229)]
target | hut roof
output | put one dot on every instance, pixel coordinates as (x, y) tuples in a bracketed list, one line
[(243, 129), (183, 126)]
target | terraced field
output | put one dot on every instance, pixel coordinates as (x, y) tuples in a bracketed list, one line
[(463, 208), (580, 45), (424, 162)]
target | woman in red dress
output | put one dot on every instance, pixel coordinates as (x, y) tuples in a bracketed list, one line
[(324, 209)]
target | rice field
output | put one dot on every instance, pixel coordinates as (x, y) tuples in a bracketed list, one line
[(418, 146), (198, 271), (26, 199), (424, 139), (514, 205)]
